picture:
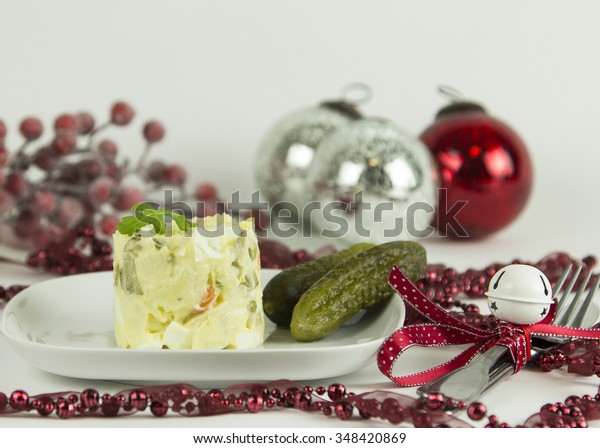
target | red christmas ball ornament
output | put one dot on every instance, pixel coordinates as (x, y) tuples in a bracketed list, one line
[(485, 170)]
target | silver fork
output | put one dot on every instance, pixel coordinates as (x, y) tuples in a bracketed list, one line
[(486, 369)]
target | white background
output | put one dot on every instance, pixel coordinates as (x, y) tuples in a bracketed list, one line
[(220, 73)]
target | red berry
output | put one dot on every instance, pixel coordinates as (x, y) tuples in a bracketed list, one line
[(154, 132), (69, 174), (207, 208), (108, 149), (2, 130), (27, 224), (6, 201), (175, 174), (44, 202), (127, 197), (64, 144), (69, 212), (66, 123), (156, 171), (3, 156), (113, 170), (85, 123), (101, 190), (47, 234), (45, 158), (206, 191), (31, 128), (108, 224), (90, 169), (121, 114), (17, 185)]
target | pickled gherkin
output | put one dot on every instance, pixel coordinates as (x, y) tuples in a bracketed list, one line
[(283, 292), (357, 283)]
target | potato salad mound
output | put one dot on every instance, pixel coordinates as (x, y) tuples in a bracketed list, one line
[(195, 287)]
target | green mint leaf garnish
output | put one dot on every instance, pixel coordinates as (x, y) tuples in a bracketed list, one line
[(180, 220), (129, 225), (144, 214)]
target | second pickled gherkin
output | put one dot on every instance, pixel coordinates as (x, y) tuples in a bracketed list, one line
[(359, 282), (283, 292)]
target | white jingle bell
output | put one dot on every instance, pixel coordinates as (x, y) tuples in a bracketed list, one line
[(520, 294)]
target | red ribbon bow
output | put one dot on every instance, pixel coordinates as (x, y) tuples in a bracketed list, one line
[(445, 329)]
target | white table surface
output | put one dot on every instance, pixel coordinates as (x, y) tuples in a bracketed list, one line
[(521, 395)]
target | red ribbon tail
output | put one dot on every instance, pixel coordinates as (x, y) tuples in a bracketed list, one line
[(419, 378), (427, 335), (555, 330)]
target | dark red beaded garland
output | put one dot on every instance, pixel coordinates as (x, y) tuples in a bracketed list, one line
[(8, 293), (186, 400), (580, 356), (442, 285), (80, 252)]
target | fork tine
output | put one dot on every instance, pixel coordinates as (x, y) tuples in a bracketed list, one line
[(576, 301), (561, 280), (578, 320), (560, 313)]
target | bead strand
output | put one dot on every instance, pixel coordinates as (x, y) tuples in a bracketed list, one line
[(443, 284), (581, 357), (332, 401), (81, 252), (9, 292)]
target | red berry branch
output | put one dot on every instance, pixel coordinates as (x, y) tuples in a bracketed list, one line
[(76, 178), (64, 196)]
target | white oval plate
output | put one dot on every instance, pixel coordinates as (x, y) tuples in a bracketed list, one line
[(65, 326)]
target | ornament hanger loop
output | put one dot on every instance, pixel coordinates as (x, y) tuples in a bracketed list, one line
[(456, 96), (357, 93)]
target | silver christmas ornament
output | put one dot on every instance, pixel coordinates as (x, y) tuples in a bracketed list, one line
[(286, 154), (371, 180)]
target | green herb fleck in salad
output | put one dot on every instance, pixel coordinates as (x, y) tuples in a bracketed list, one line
[(144, 214)]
